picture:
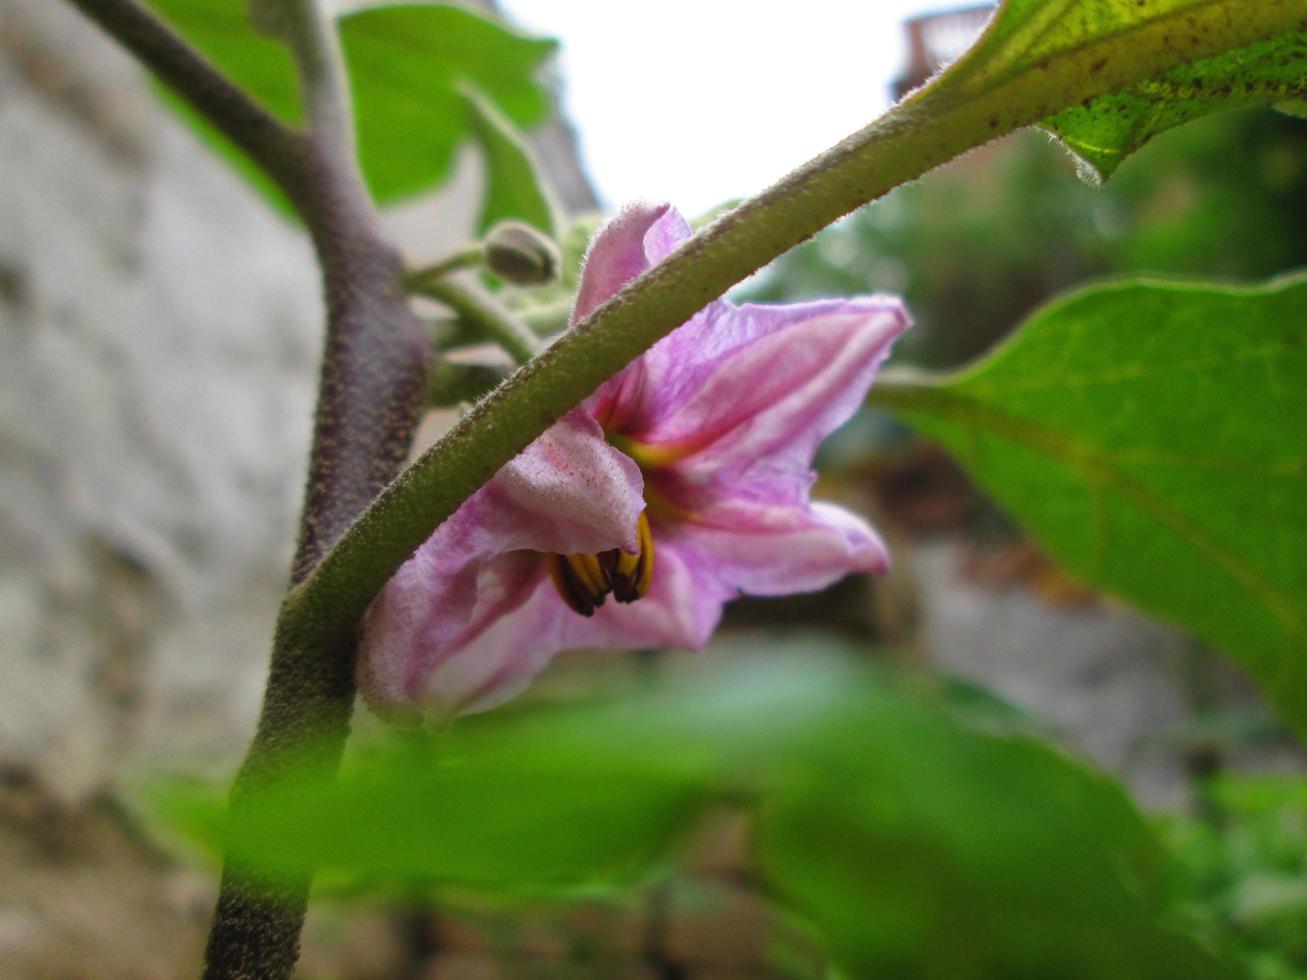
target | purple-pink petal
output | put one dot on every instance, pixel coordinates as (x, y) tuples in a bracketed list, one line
[(759, 411), (569, 491), (769, 550), (638, 237), (501, 650)]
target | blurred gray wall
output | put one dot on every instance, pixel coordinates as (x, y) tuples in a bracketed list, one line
[(159, 333)]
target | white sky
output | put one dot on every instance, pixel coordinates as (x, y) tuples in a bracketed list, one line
[(700, 101)]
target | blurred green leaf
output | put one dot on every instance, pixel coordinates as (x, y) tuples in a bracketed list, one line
[(532, 801), (910, 840), (1111, 127), (515, 188), (1246, 863), (1152, 436), (222, 31), (918, 851), (978, 246), (487, 813), (1267, 899), (405, 62)]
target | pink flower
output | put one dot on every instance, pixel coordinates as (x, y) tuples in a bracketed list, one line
[(680, 484)]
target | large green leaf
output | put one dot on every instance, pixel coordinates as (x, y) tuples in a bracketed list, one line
[(1153, 436), (911, 841), (406, 63), (1111, 127), (1042, 36), (1108, 74), (936, 856)]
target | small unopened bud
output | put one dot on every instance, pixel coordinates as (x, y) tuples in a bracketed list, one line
[(519, 254)]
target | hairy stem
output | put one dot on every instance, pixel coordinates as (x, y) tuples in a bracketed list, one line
[(939, 122), (373, 386), (467, 258), (481, 311)]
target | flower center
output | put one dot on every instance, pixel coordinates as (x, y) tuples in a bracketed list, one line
[(649, 455), (584, 581)]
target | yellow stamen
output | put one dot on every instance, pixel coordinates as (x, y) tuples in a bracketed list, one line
[(583, 581), (591, 574), (580, 581), (631, 575)]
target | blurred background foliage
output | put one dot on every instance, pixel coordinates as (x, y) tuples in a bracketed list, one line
[(1246, 859), (977, 245), (911, 828)]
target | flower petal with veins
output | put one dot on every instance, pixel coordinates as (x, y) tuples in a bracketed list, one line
[(568, 491), (716, 426)]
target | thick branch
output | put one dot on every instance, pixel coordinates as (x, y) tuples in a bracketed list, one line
[(276, 148), (372, 390)]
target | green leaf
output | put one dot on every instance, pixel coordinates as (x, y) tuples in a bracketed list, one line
[(1034, 36), (1061, 61), (222, 31), (918, 850), (914, 843), (405, 63), (1111, 127), (523, 825), (530, 802), (1152, 436), (515, 187)]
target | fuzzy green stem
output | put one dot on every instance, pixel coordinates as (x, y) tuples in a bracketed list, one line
[(937, 123), (468, 258), (484, 314)]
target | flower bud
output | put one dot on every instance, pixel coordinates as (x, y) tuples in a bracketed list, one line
[(519, 254)]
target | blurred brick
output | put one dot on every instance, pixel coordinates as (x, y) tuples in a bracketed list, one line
[(720, 846), (607, 929), (723, 926), (355, 943), (465, 966), (464, 934), (580, 932)]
